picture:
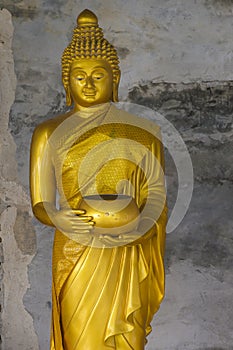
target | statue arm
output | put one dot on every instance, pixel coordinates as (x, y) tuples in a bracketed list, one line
[(43, 190), (42, 177), (152, 194)]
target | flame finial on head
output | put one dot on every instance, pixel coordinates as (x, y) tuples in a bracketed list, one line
[(87, 18)]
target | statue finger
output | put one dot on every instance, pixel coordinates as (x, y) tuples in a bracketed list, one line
[(68, 212), (129, 236), (81, 231), (82, 228), (86, 232), (108, 240), (78, 211), (83, 219)]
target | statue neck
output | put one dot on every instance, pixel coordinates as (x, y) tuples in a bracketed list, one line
[(86, 112)]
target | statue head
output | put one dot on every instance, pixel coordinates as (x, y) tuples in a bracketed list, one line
[(90, 70)]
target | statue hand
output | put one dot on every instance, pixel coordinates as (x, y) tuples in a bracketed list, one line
[(72, 222), (123, 239)]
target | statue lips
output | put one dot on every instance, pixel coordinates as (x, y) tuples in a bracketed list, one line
[(89, 92)]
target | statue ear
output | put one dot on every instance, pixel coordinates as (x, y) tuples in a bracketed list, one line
[(115, 87), (68, 96)]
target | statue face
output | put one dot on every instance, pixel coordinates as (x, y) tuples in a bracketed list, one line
[(91, 82)]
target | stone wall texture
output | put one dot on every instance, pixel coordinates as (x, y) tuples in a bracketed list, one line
[(17, 232), (177, 59)]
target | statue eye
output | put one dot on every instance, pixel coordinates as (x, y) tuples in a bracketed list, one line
[(98, 76), (80, 78)]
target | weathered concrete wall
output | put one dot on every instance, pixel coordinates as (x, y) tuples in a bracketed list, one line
[(197, 308), (158, 41), (17, 233), (176, 57)]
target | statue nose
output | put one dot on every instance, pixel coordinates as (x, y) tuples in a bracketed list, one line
[(89, 82)]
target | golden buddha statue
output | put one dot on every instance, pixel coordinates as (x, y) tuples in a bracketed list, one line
[(106, 287)]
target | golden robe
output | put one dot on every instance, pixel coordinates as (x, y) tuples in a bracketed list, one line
[(105, 298)]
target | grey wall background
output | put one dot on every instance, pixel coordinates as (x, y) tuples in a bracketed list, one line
[(177, 58)]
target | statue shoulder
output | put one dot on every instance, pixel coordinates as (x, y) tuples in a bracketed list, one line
[(44, 130)]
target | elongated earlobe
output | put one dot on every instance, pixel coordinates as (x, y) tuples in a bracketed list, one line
[(115, 87), (68, 97)]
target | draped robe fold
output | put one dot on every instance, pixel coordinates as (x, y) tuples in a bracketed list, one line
[(105, 298)]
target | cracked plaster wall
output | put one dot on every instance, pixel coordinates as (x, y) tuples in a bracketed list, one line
[(17, 232), (176, 57)]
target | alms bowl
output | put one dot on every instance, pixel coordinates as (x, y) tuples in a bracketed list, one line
[(113, 214)]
